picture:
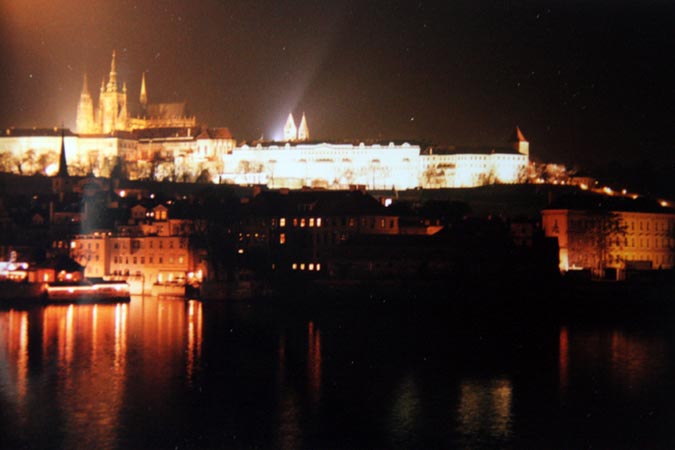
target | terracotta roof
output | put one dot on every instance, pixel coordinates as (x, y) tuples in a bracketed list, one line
[(517, 136), (215, 133)]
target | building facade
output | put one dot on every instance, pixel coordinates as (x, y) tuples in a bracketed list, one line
[(617, 240), (160, 141)]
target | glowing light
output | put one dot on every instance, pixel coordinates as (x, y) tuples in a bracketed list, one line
[(51, 170)]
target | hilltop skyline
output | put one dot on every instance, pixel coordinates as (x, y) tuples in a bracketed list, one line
[(586, 82)]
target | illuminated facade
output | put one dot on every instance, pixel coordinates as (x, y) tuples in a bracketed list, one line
[(160, 142), (293, 133), (154, 250), (113, 112), (645, 242)]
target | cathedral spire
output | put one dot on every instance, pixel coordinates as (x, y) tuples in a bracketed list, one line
[(112, 82), (85, 111), (63, 166), (144, 94), (290, 130), (303, 130), (85, 85)]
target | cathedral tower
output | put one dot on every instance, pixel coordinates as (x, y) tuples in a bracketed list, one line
[(112, 104), (303, 130), (519, 143), (84, 123), (143, 99), (290, 130)]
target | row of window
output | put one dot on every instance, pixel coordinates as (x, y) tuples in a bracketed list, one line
[(643, 242), (311, 222), (137, 244), (141, 259), (306, 266)]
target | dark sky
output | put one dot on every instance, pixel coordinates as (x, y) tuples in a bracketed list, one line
[(586, 81)]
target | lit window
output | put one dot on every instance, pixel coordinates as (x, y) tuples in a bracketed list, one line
[(311, 266), (295, 221), (302, 266), (282, 238), (318, 266), (282, 222), (302, 222), (295, 266), (311, 221), (318, 221)]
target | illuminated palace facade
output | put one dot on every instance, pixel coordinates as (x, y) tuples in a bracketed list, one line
[(643, 238), (161, 142)]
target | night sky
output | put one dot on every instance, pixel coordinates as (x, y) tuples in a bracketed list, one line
[(587, 81)]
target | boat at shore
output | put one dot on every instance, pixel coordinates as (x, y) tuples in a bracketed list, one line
[(83, 291)]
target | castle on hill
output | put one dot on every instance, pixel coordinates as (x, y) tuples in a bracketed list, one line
[(159, 141), (112, 112)]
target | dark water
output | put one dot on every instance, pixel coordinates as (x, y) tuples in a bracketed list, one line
[(175, 374)]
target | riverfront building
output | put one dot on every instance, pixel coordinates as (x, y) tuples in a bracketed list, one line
[(624, 234)]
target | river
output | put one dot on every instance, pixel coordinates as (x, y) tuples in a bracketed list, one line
[(175, 374)]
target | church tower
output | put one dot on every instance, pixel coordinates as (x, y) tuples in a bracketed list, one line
[(84, 123), (290, 130), (143, 99), (519, 143), (112, 104), (61, 182), (303, 130)]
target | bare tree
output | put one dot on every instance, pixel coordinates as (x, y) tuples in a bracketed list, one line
[(594, 238)]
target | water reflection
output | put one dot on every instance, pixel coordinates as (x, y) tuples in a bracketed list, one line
[(485, 408), (14, 335), (161, 373), (83, 358), (194, 339), (631, 360), (314, 362), (90, 383), (563, 359), (406, 409)]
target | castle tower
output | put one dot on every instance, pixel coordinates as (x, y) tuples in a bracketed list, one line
[(303, 130), (519, 143), (112, 79), (143, 99), (112, 104), (84, 123), (290, 130)]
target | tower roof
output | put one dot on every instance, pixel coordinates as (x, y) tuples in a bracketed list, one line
[(303, 130), (63, 166), (517, 136), (144, 93), (85, 85), (112, 81)]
